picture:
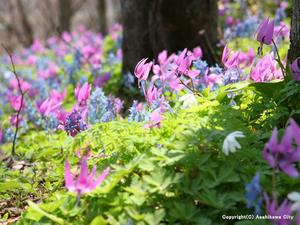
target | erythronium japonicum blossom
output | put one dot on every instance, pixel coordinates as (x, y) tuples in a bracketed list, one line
[(230, 143), (285, 154), (296, 69), (280, 211), (142, 69), (85, 182), (230, 59), (83, 93), (265, 32)]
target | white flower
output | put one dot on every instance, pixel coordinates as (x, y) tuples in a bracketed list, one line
[(188, 100), (230, 143), (294, 197)]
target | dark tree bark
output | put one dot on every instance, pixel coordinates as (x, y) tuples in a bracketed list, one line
[(101, 7), (27, 29), (136, 39), (151, 26), (65, 15), (294, 50)]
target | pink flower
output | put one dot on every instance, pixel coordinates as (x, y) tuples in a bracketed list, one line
[(229, 21), (155, 119), (279, 211), (162, 57), (83, 93), (142, 69), (265, 32), (48, 106), (13, 84), (265, 70), (184, 63), (229, 59), (15, 102), (58, 96), (85, 182), (151, 94), (296, 69)]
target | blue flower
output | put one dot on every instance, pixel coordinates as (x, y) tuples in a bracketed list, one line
[(254, 194), (100, 108)]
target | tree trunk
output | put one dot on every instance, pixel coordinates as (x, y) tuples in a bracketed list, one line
[(294, 50), (26, 26), (151, 26), (65, 15), (136, 40), (175, 25), (101, 6)]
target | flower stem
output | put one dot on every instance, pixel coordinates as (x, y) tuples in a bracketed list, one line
[(279, 60)]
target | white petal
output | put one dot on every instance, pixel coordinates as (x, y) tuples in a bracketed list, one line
[(294, 196), (295, 206)]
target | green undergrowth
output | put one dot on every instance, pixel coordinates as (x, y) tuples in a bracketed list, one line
[(175, 174)]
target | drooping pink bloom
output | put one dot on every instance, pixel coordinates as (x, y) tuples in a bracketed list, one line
[(197, 53), (37, 46), (13, 119), (13, 84), (57, 96), (85, 182), (155, 119), (184, 63), (83, 93), (143, 69), (279, 211), (48, 106), (15, 102), (282, 30), (296, 69), (283, 155), (265, 70), (230, 59), (162, 57), (265, 32), (151, 94)]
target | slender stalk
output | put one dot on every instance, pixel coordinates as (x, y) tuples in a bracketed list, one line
[(189, 88), (278, 59), (13, 150)]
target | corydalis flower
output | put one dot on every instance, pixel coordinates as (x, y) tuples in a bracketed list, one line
[(230, 143), (283, 155), (254, 194), (85, 182), (265, 32), (274, 210), (73, 123)]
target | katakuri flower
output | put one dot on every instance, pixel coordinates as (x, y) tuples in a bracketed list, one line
[(265, 32), (281, 211), (85, 182), (230, 143), (283, 155)]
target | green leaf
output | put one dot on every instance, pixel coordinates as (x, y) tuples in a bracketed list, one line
[(99, 220), (44, 213)]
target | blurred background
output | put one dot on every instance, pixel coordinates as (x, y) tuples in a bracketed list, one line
[(21, 21)]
